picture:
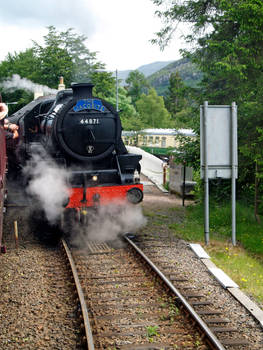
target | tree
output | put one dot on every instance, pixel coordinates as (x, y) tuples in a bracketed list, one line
[(24, 63), (177, 101), (130, 119), (65, 54), (227, 38), (104, 83), (136, 85), (152, 110), (62, 54)]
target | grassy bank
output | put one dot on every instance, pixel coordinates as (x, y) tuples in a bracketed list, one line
[(243, 263)]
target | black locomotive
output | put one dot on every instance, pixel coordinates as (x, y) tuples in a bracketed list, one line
[(81, 133)]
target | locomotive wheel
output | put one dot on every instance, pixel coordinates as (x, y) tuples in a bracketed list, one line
[(68, 221), (43, 230)]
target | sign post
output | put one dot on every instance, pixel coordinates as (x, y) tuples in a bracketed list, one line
[(218, 142), (206, 178)]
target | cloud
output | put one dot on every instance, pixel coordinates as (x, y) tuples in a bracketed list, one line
[(118, 30), (61, 13)]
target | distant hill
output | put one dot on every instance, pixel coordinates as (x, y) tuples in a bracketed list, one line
[(187, 70), (149, 69), (146, 69), (158, 73)]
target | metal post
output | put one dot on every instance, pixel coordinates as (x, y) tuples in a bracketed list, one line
[(184, 167), (233, 169), (117, 92), (206, 180), (164, 174)]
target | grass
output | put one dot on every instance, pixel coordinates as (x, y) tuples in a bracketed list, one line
[(244, 269), (243, 263), (151, 332)]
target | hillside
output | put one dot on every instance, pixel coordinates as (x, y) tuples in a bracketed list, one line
[(158, 73), (146, 69), (188, 72)]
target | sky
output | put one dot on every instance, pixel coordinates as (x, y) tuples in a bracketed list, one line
[(118, 30)]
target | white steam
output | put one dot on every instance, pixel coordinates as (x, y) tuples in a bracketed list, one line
[(48, 184), (109, 222), (16, 82)]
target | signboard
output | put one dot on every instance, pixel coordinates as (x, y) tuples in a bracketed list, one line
[(218, 141)]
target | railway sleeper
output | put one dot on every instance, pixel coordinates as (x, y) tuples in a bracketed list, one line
[(235, 342), (193, 295), (116, 275), (209, 312), (147, 346), (137, 332), (140, 306), (201, 303), (116, 291), (217, 320), (147, 314), (223, 329), (133, 279)]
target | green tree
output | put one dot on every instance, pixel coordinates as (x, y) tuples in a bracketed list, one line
[(24, 63), (227, 38), (136, 85), (129, 117), (152, 110), (65, 54), (177, 101), (104, 83), (62, 54)]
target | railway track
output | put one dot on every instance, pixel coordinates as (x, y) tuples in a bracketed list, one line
[(128, 303)]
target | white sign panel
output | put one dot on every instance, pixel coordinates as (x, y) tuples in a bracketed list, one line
[(218, 138)]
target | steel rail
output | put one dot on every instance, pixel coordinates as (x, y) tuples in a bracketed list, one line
[(88, 331), (214, 341)]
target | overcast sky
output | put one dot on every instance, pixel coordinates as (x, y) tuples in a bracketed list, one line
[(119, 30)]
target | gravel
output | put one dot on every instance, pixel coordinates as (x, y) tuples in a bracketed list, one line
[(37, 308), (184, 261)]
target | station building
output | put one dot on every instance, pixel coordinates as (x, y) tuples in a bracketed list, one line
[(155, 140)]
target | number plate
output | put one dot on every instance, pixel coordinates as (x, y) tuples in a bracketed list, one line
[(90, 121)]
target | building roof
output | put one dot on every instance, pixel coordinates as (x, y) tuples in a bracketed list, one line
[(185, 132)]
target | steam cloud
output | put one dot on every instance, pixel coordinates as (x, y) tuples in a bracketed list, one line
[(48, 183), (16, 82), (110, 221)]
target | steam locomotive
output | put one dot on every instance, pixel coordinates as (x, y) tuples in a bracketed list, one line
[(82, 134)]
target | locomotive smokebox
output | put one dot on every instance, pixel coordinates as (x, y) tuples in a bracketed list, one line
[(82, 90)]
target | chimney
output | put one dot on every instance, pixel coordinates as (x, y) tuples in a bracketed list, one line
[(82, 90), (61, 85)]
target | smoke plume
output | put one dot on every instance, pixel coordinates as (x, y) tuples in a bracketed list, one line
[(16, 82), (48, 184)]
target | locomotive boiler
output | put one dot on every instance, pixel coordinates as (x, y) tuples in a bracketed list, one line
[(82, 134)]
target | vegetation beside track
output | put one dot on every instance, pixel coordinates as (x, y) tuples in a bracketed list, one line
[(243, 263)]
